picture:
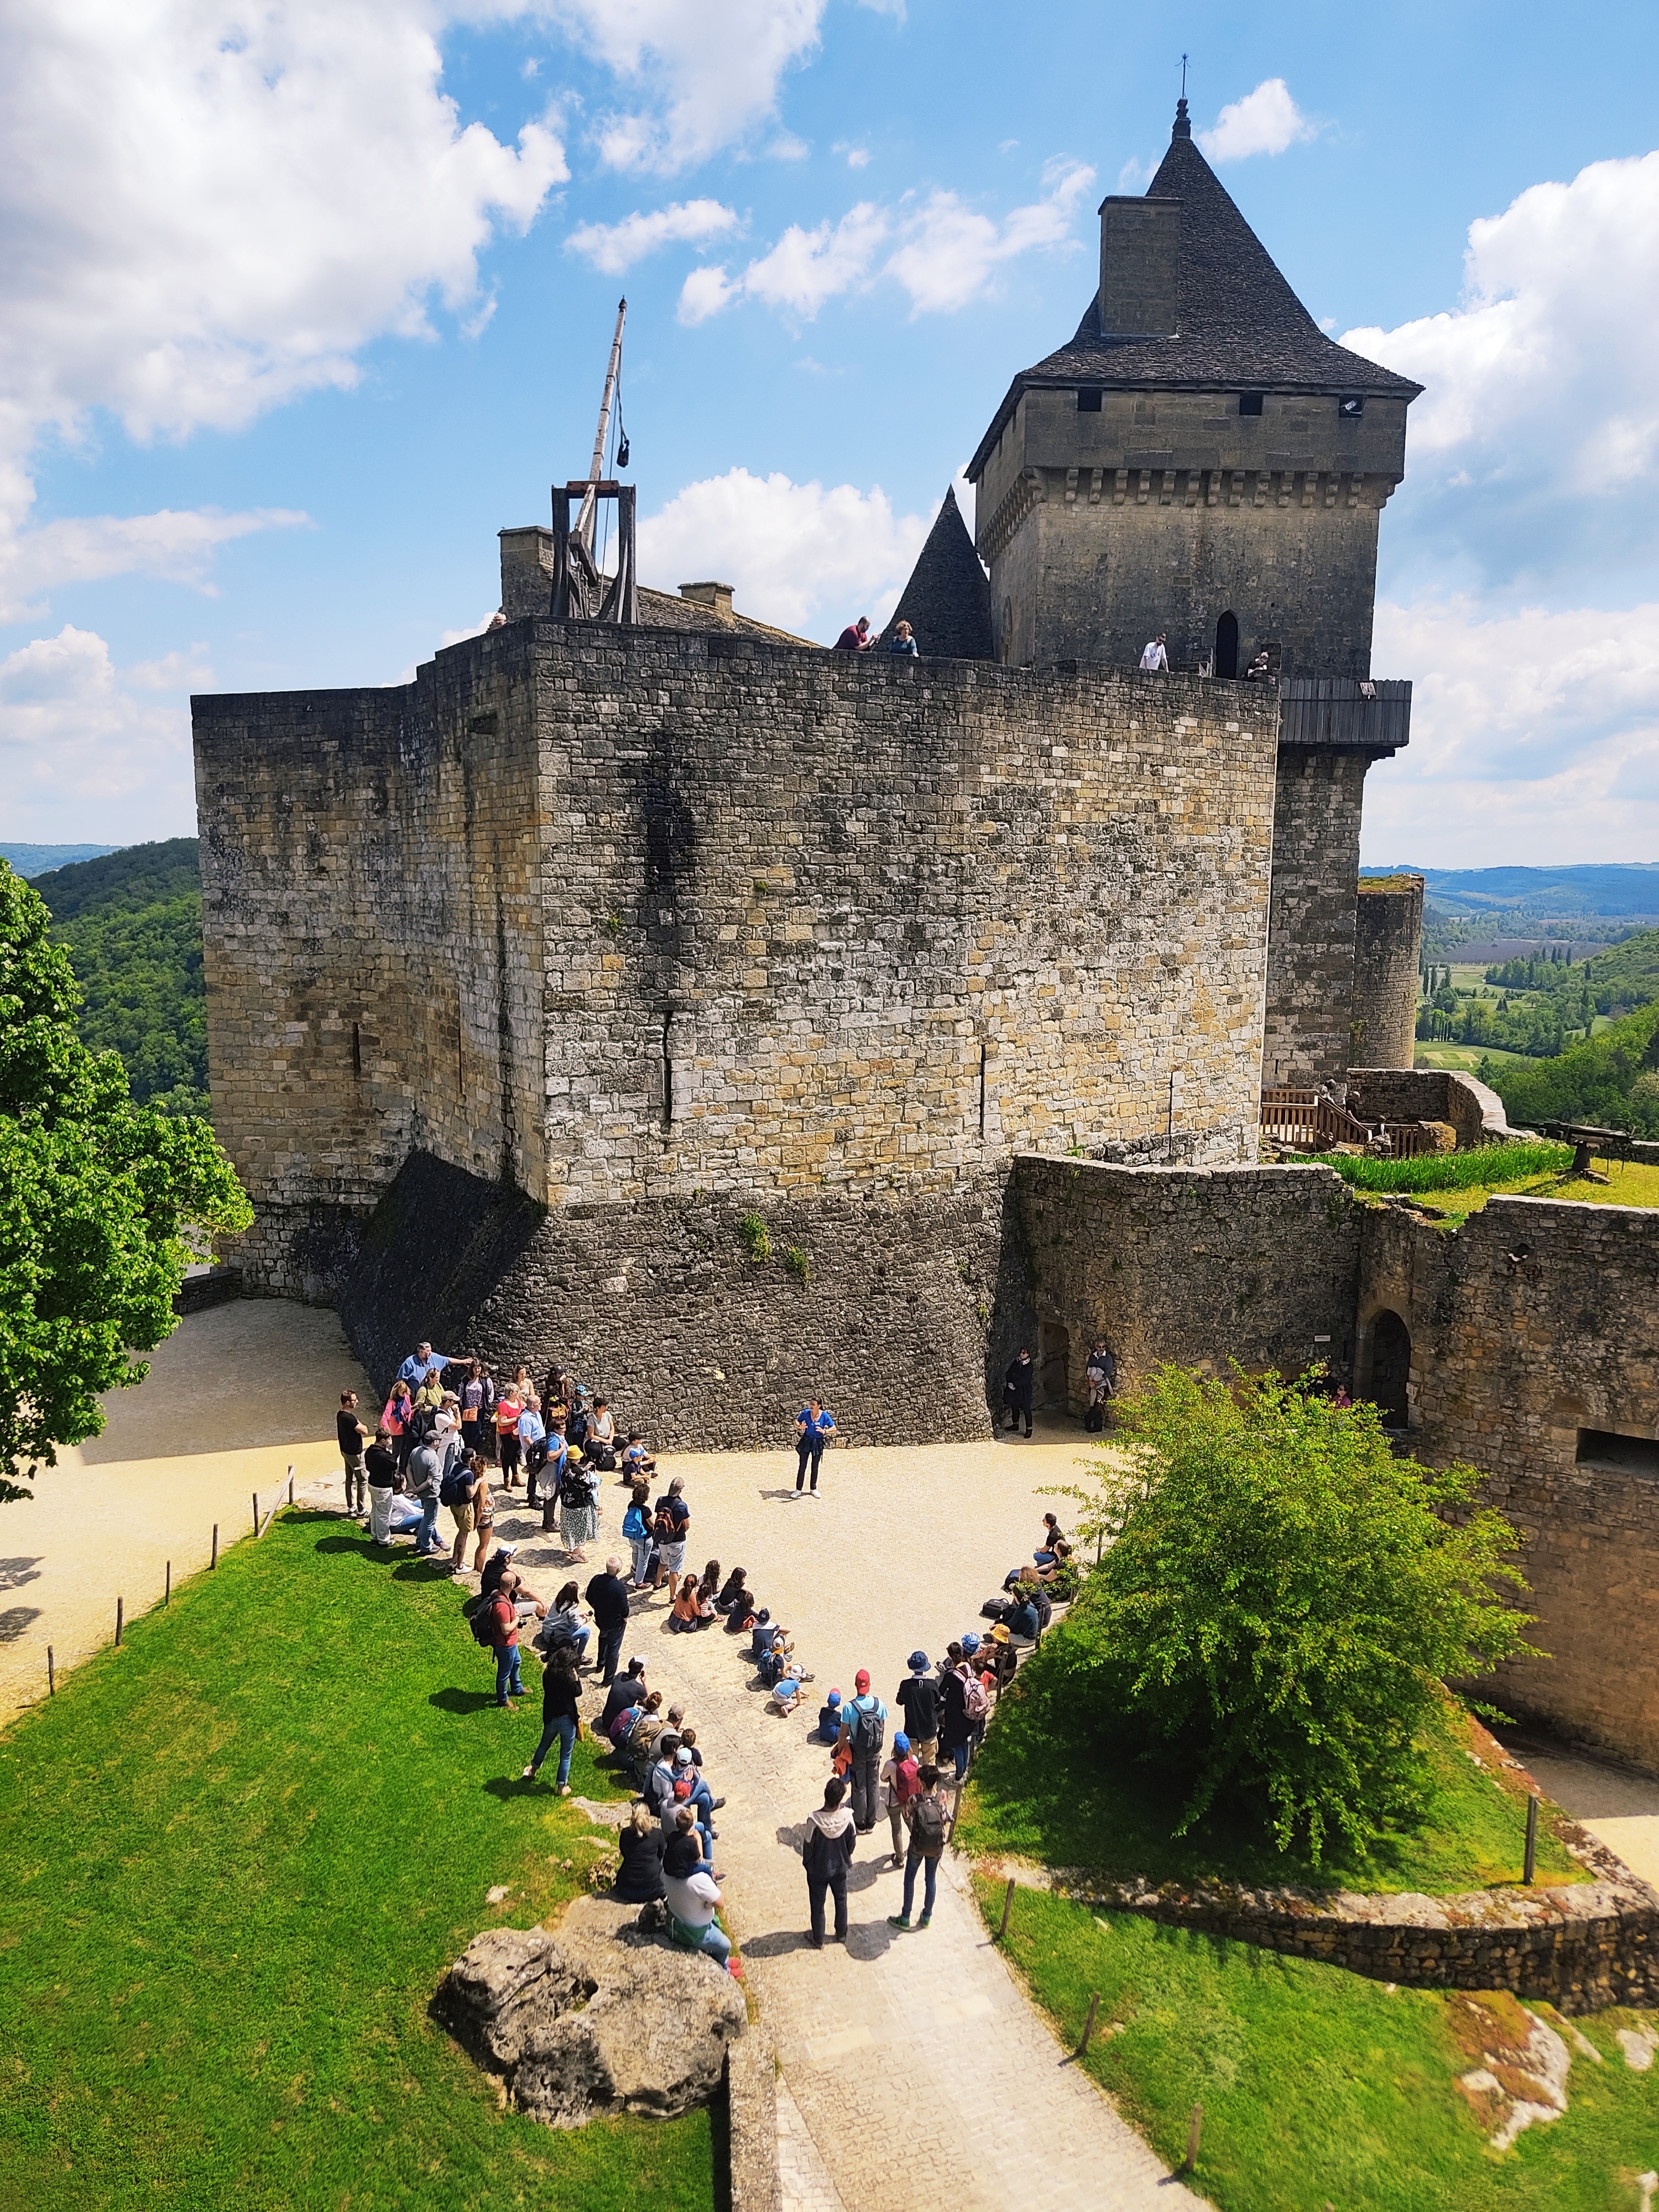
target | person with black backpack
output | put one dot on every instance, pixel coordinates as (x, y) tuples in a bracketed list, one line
[(578, 1515), (863, 1732), (930, 1824)]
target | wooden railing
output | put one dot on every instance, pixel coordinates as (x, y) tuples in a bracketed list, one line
[(1307, 1123)]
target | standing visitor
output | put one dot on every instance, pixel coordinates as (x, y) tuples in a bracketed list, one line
[(671, 1527), (380, 1465), (560, 1720), (1154, 656), (919, 1700), (398, 1420), (636, 1530), (353, 1436), (607, 1598), (1016, 1387), (1101, 1375), (423, 1362), (508, 1407), (899, 1785), (504, 1635), (827, 1853), (863, 1730), (814, 1425), (477, 1403), (579, 1511), (426, 1476), (929, 1825), (532, 1444), (956, 1725), (470, 1508)]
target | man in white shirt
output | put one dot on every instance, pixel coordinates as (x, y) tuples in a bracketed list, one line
[(1153, 656), (692, 1896)]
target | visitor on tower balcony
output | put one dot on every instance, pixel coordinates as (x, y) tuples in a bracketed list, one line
[(856, 637), (1154, 655), (1261, 669), (903, 640)]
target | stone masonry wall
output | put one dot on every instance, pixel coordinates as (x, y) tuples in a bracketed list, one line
[(1388, 953), (891, 1312), (816, 922), (1429, 1094), (1200, 1267), (371, 916), (1535, 1322), (1310, 952)]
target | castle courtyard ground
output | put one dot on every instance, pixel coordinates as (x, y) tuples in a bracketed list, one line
[(898, 2046)]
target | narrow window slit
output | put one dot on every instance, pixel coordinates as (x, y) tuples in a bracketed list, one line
[(981, 1086), (667, 1072), (356, 1053)]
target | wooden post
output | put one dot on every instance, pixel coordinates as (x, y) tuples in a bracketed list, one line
[(119, 1608), (167, 1594), (52, 1673), (1007, 1907), (290, 1486), (214, 1561), (256, 1512), (1089, 2024), (1194, 2130), (1531, 1862)]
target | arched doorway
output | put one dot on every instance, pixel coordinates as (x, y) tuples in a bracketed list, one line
[(1226, 644), (1391, 1368), (1054, 1370)]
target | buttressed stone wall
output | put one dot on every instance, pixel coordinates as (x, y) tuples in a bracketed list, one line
[(621, 916)]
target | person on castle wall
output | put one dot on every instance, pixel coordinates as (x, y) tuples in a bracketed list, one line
[(353, 1437), (856, 637), (814, 1426), (1018, 1385), (1101, 1375), (1260, 669), (1155, 655), (903, 640)]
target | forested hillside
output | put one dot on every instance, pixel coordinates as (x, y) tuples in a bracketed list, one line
[(1611, 1080), (131, 922)]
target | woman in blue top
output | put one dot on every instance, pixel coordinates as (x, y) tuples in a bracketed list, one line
[(902, 640)]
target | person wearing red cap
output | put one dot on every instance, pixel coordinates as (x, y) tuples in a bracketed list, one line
[(863, 1732)]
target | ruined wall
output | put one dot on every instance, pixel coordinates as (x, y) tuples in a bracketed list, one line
[(1532, 1331), (1200, 1267), (1310, 948), (1388, 959), (1164, 510), (889, 1311), (371, 865), (1429, 1094)]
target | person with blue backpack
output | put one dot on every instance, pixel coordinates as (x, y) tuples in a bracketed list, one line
[(863, 1732)]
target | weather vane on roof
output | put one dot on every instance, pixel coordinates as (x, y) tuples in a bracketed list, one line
[(1183, 76)]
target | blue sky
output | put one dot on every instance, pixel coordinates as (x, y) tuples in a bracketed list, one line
[(303, 306)]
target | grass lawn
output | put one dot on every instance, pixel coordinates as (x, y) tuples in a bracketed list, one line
[(235, 1858), (1630, 1182), (1318, 2087), (1464, 1059), (1039, 1792)]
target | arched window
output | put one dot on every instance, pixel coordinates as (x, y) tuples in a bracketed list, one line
[(1391, 1367), (1226, 644)]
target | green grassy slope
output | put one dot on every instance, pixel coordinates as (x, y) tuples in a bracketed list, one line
[(235, 1858)]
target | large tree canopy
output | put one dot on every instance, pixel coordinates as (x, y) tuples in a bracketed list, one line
[(95, 1194), (1287, 1601)]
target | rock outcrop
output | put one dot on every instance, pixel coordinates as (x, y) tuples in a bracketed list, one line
[(605, 2017)]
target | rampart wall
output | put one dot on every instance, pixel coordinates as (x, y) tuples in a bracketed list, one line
[(1429, 1094)]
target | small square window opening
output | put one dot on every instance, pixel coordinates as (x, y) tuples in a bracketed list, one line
[(1250, 403), (1088, 403)]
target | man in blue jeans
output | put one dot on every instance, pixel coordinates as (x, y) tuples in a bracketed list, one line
[(608, 1597), (929, 1825), (814, 1425), (425, 1479), (504, 1623)]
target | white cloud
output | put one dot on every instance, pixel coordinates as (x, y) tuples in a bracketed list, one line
[(204, 212), (614, 246), (786, 147), (173, 672), (1535, 734), (945, 253), (80, 755), (856, 157), (1535, 445), (176, 544), (709, 76), (1266, 121), (807, 558)]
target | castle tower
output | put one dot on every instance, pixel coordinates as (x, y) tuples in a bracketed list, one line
[(947, 601), (1201, 461)]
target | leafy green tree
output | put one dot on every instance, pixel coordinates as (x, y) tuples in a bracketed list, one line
[(1284, 1605), (96, 1195)]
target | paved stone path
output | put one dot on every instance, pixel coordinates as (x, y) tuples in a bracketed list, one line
[(900, 2054)]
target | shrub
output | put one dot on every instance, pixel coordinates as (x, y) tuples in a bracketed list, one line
[(753, 1231), (797, 1263), (1285, 1602)]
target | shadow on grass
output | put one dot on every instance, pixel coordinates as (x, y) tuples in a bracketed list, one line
[(462, 1701), (422, 1571)]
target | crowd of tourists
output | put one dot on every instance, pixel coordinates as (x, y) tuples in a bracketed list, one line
[(439, 1446)]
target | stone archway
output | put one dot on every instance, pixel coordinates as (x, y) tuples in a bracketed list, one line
[(1390, 1366)]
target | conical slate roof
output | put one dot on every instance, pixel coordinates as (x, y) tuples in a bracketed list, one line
[(947, 601), (1241, 327)]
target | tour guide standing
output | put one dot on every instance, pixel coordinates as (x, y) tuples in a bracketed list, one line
[(353, 1436), (1017, 1385), (607, 1596), (863, 1731), (813, 1424)]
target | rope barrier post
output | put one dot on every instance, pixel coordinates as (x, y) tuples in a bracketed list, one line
[(1194, 2132), (1089, 2024), (52, 1673), (291, 1484), (214, 1561), (166, 1593), (1007, 1907), (1530, 1866), (256, 1512), (119, 1607)]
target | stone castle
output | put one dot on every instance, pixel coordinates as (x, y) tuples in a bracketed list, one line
[(733, 1018)]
